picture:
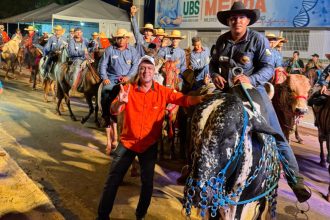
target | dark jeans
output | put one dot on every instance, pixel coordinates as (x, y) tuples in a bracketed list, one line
[(283, 145), (108, 94), (122, 159)]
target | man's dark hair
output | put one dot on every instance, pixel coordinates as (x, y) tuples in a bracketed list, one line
[(196, 39), (297, 52), (77, 29)]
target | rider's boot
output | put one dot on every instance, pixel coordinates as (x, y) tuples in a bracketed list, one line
[(299, 189)]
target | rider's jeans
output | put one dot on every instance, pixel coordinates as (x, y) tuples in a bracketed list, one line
[(122, 159), (283, 146)]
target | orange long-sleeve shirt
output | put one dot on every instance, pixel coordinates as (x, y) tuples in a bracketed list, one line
[(144, 114)]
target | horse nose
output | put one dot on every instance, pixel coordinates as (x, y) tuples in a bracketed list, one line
[(301, 111)]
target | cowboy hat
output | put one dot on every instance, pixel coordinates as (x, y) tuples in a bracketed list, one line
[(95, 34), (176, 34), (327, 55), (283, 40), (238, 8), (160, 32), (30, 28), (272, 36), (147, 26), (71, 29), (2, 27), (121, 32), (58, 28)]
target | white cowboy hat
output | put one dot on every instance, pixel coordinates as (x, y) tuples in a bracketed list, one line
[(121, 32), (272, 36), (95, 34), (30, 28), (176, 34), (238, 8)]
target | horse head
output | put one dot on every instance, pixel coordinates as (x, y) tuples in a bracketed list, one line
[(170, 72), (298, 88)]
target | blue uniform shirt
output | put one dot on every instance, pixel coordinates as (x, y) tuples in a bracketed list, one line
[(252, 54), (174, 54), (200, 64), (54, 44), (77, 49), (324, 76), (140, 41), (116, 63), (276, 58)]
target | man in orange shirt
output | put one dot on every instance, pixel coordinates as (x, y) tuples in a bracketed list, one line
[(144, 106)]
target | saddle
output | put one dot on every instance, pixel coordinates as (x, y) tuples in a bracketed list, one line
[(318, 99)]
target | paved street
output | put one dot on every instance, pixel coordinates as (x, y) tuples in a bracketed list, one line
[(67, 161)]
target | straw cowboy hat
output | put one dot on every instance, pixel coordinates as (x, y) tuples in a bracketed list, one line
[(95, 34), (71, 29), (283, 40), (121, 32), (238, 8), (160, 32), (2, 27), (58, 28), (327, 55), (272, 36), (147, 26), (176, 34), (102, 35), (30, 28)]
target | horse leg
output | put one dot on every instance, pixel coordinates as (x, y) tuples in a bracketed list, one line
[(67, 101), (173, 156), (34, 78), (96, 116), (322, 159), (296, 133), (328, 148), (114, 137), (46, 89), (60, 96), (90, 106)]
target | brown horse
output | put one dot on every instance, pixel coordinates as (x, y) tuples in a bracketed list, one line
[(9, 54), (322, 119), (20, 58), (170, 73), (89, 84), (290, 100), (35, 55)]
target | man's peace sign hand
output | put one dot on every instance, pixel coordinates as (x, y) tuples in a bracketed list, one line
[(123, 95), (134, 10)]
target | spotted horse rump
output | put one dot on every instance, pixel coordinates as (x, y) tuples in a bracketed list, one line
[(235, 168)]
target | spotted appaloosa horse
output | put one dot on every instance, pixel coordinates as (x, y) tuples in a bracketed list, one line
[(235, 167), (290, 100)]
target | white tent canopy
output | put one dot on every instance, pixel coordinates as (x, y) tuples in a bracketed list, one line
[(107, 16)]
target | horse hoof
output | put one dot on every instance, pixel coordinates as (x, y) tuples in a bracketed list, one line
[(83, 120), (74, 118)]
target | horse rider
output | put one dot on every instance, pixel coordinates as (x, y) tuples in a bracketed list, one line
[(4, 38), (250, 50), (315, 64), (94, 43), (276, 56), (29, 40), (144, 36), (118, 64), (143, 104), (295, 65), (200, 59), (174, 52), (53, 47), (318, 97), (17, 33), (78, 51), (70, 35)]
